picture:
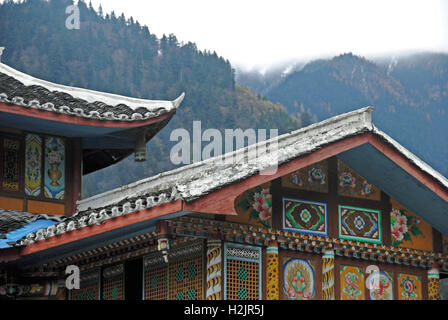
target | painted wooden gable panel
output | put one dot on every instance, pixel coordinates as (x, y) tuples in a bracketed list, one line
[(351, 184), (311, 178), (408, 230), (360, 224), (254, 207), (305, 216)]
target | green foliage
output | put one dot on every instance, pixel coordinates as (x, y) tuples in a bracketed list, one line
[(118, 55), (244, 204)]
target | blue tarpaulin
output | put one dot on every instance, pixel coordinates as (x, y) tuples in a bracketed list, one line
[(23, 231)]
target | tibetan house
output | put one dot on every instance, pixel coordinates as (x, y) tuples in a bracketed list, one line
[(348, 213)]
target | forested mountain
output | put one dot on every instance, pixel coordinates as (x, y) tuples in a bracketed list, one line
[(116, 54), (409, 93)]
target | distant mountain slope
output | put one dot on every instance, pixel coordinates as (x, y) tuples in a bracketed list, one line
[(410, 96), (118, 55)]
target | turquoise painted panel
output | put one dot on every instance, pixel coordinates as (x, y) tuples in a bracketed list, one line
[(54, 168)]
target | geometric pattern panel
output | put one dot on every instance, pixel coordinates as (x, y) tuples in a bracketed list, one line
[(242, 272), (381, 285), (310, 178), (360, 224), (186, 279), (89, 286), (156, 282), (11, 167), (351, 184), (33, 162), (352, 283), (113, 283), (54, 168), (254, 206), (186, 271), (87, 293), (299, 281), (408, 230), (305, 216), (409, 287)]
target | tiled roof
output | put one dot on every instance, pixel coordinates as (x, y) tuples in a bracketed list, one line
[(21, 89), (14, 225), (199, 179)]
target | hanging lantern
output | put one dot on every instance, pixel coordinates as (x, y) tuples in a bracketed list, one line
[(140, 147)]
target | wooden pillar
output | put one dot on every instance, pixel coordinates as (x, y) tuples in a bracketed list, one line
[(328, 275), (434, 283), (272, 284), (214, 270)]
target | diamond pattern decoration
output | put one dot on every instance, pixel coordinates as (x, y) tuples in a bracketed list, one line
[(191, 271), (305, 216), (243, 274), (359, 224), (242, 293), (180, 295), (180, 274), (191, 294), (153, 282)]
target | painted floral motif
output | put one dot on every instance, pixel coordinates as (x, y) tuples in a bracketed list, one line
[(316, 175), (403, 226), (351, 184), (366, 188), (296, 180), (310, 178), (298, 279), (352, 283), (263, 205), (346, 179), (258, 202)]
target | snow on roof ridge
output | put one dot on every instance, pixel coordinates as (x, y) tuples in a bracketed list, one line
[(361, 116), (92, 96)]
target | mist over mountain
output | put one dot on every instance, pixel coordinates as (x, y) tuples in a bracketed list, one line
[(409, 93), (116, 54)]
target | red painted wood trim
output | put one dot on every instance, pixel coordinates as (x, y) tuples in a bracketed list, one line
[(222, 201), (408, 166), (116, 223), (65, 118)]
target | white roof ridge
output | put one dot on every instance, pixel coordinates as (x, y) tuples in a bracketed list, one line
[(92, 96), (360, 117), (413, 158)]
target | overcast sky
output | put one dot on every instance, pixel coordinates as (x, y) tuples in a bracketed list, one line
[(261, 33)]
